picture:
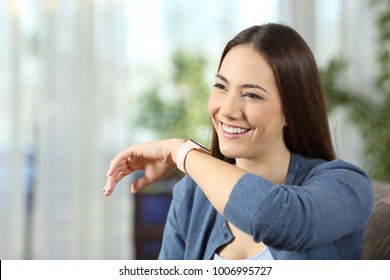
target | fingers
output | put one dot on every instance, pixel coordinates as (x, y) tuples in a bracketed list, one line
[(139, 185), (115, 163), (120, 159), (117, 170), (110, 186), (114, 179), (123, 164)]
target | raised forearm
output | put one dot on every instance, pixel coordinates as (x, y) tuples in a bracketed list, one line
[(215, 177)]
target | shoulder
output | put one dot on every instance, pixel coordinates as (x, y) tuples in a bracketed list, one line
[(303, 168)]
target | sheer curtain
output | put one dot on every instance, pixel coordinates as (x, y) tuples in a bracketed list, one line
[(63, 84), (68, 70), (11, 132)]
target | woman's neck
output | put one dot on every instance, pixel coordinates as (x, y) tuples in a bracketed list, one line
[(273, 168)]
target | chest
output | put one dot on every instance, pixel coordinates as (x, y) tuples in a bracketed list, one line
[(241, 245)]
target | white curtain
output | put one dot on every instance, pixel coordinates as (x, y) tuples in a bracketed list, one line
[(69, 73), (63, 83), (12, 133)]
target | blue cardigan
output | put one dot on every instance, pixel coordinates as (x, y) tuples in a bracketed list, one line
[(321, 212)]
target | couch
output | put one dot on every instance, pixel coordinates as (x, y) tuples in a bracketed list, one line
[(377, 244)]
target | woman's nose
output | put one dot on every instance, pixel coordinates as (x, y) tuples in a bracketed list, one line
[(231, 107)]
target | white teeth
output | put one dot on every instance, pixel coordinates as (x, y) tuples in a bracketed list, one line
[(234, 130)]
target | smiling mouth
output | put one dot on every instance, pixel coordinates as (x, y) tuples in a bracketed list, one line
[(233, 129)]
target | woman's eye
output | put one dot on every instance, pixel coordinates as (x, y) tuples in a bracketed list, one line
[(253, 96), (219, 86)]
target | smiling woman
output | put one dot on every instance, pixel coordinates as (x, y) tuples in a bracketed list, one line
[(285, 196), (246, 110)]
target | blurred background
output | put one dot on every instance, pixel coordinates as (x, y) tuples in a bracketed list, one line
[(82, 79)]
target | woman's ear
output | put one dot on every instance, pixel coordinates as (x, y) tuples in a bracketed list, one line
[(285, 121)]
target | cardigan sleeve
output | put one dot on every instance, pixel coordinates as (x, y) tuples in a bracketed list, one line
[(334, 200)]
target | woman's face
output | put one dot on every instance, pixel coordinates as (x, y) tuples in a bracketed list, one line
[(245, 107)]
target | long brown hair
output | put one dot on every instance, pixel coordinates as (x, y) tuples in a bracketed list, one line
[(299, 84)]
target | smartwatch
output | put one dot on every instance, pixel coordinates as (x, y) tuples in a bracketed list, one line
[(185, 149)]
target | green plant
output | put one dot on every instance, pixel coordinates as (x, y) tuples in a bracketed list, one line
[(184, 112), (371, 115)]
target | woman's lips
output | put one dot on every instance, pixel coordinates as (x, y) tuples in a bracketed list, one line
[(233, 131)]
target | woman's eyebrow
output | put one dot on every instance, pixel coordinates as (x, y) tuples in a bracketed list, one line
[(222, 78), (244, 85), (254, 86)]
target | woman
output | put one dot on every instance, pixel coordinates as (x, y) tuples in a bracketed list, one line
[(271, 188)]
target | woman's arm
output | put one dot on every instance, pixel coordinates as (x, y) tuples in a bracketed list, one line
[(215, 177), (336, 197), (334, 200), (157, 159)]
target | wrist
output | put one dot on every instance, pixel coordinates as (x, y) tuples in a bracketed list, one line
[(176, 144), (184, 149)]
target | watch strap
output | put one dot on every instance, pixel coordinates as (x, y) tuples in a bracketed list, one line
[(184, 150)]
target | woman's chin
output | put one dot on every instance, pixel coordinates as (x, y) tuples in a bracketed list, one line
[(229, 153)]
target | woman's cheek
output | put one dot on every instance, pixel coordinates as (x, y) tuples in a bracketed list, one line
[(212, 104)]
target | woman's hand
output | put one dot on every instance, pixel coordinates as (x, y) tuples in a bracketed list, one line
[(157, 159)]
